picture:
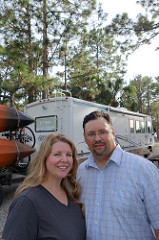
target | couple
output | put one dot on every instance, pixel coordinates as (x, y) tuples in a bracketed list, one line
[(119, 190)]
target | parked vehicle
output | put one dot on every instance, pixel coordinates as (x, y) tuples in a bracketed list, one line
[(65, 115)]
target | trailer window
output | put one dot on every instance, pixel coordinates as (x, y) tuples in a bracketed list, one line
[(46, 124), (131, 123), (140, 127), (149, 127)]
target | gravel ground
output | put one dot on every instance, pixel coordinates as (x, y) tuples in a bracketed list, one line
[(8, 196)]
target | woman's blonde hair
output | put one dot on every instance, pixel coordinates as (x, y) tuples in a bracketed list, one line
[(37, 168)]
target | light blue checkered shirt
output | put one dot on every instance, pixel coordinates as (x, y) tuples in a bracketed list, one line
[(122, 199)]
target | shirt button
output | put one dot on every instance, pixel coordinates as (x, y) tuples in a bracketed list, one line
[(96, 222), (98, 204), (99, 187)]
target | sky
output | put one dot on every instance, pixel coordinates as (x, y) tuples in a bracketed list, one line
[(145, 60)]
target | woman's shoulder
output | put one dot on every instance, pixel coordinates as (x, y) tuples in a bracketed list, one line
[(33, 193), (27, 198)]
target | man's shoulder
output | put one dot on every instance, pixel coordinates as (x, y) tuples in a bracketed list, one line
[(83, 164), (82, 169), (139, 163)]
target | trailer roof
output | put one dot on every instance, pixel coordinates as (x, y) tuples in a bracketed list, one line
[(105, 107)]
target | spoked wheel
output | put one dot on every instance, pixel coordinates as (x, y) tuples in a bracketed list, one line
[(27, 136)]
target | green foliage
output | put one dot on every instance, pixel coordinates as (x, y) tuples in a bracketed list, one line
[(39, 35), (32, 33), (131, 34), (138, 95), (95, 63)]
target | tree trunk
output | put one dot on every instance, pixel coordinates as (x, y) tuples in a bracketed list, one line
[(45, 47)]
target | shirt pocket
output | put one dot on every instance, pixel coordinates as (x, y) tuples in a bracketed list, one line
[(125, 202)]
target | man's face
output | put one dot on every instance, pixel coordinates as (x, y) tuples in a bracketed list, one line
[(99, 137)]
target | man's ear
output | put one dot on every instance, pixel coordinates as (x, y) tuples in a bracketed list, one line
[(84, 137)]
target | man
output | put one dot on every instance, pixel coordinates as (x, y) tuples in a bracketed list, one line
[(120, 190)]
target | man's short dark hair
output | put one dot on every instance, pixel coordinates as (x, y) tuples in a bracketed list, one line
[(96, 114)]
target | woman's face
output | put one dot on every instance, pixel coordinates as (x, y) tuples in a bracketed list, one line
[(60, 161)]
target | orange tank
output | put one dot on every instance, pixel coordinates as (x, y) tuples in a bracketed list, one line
[(12, 151), (11, 119)]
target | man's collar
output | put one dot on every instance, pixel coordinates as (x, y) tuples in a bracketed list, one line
[(115, 157)]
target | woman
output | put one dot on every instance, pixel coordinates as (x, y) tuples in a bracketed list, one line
[(46, 206)]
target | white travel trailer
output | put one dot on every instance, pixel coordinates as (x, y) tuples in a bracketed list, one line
[(65, 115)]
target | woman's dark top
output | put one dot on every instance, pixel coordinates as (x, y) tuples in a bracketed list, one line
[(37, 215)]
